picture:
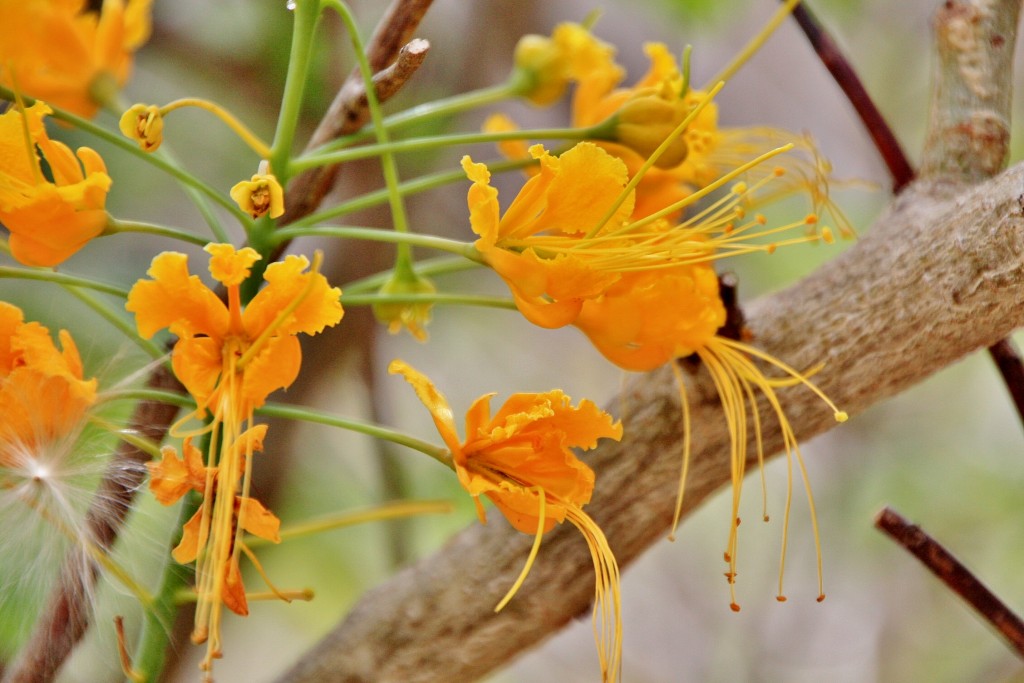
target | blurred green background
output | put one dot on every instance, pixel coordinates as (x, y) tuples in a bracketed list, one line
[(947, 454)]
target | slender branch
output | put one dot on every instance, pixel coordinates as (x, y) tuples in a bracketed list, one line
[(1007, 358), (954, 575), (849, 82)]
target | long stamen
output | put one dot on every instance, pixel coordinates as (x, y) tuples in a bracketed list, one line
[(685, 404), (639, 175), (607, 594), (541, 516)]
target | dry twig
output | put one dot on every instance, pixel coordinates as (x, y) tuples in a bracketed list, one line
[(954, 575)]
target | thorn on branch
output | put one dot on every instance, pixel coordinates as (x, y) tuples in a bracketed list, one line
[(846, 78), (955, 575)]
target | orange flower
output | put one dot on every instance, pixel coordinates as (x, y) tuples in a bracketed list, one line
[(520, 458), (230, 360), (63, 52), (48, 221), (43, 397), (567, 237), (225, 355)]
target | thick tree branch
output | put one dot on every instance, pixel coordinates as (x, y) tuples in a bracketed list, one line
[(938, 277)]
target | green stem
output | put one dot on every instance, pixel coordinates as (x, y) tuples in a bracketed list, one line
[(115, 226), (118, 321), (309, 415), (168, 397), (306, 162), (307, 13), (399, 222), (297, 413), (437, 266), (439, 109), (158, 621), (394, 510), (464, 249), (60, 279), (421, 184), (439, 299)]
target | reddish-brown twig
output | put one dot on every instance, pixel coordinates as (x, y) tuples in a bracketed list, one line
[(955, 575), (846, 78)]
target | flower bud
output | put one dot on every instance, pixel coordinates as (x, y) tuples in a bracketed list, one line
[(145, 125), (412, 316)]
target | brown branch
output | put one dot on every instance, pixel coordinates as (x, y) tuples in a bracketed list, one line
[(900, 169), (1007, 358), (954, 575), (347, 114), (969, 127), (883, 316)]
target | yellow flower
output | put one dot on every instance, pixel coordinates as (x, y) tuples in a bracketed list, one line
[(545, 66), (67, 54), (260, 195), (230, 360), (48, 221), (521, 459), (145, 125)]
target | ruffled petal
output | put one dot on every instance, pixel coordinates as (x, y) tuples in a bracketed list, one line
[(176, 300)]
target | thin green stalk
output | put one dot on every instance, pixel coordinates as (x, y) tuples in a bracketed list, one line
[(141, 394), (399, 222), (63, 279), (393, 510), (296, 413), (309, 161), (436, 266), (438, 109), (158, 620), (307, 13), (464, 249), (115, 226), (437, 299), (315, 416), (117, 320), (421, 184)]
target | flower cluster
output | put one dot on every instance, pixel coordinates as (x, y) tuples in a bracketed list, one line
[(607, 235), (617, 234), (229, 359)]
